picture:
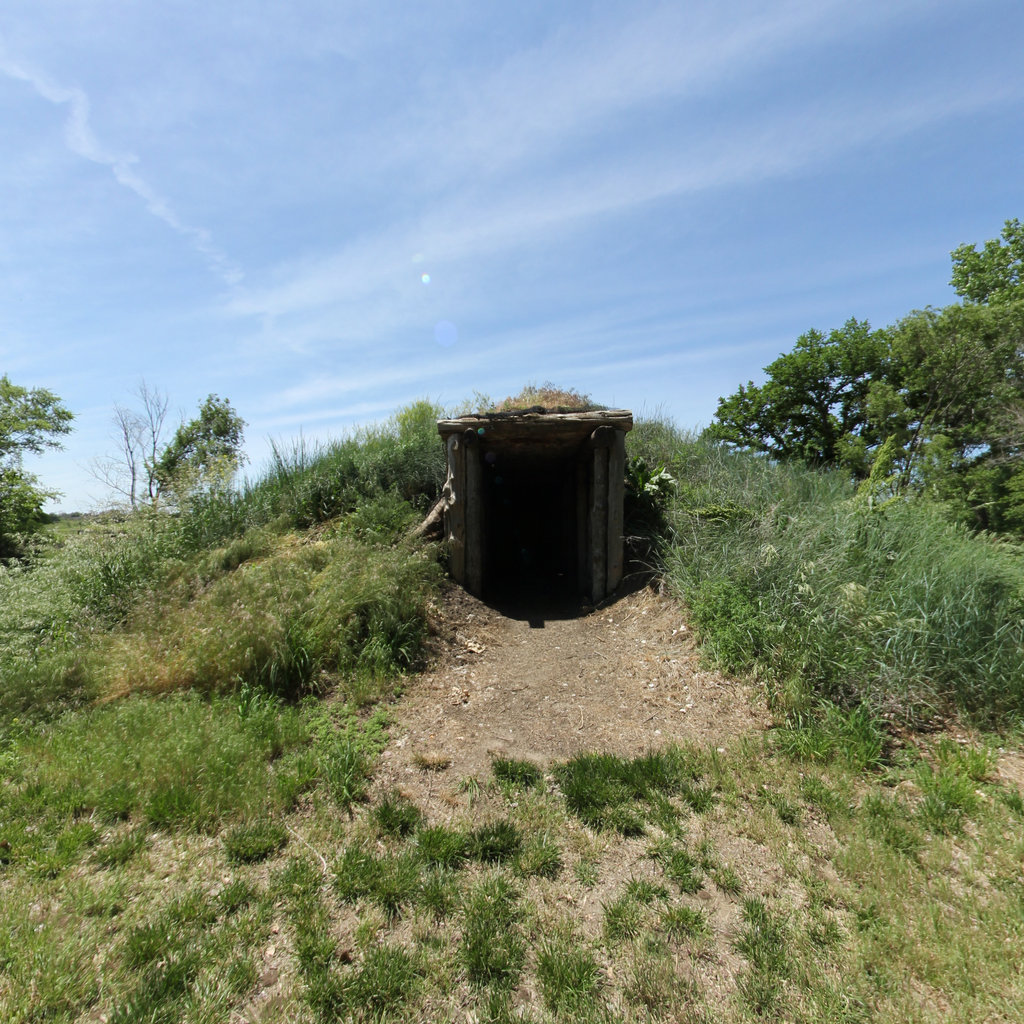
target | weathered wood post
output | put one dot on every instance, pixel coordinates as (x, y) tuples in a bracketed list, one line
[(600, 442), (606, 497), (475, 525), (616, 507), (455, 507)]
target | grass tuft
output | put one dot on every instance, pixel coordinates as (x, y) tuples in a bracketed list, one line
[(539, 857), (512, 774), (492, 948), (569, 977), (856, 737), (254, 841), (443, 846), (495, 843), (612, 793), (683, 923), (624, 919), (396, 816), (765, 943)]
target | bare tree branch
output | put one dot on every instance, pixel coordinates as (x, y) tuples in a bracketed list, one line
[(139, 436)]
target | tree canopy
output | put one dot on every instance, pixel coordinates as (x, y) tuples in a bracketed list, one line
[(205, 452), (814, 404), (32, 420), (996, 273), (944, 388)]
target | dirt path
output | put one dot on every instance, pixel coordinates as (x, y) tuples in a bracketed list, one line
[(622, 678)]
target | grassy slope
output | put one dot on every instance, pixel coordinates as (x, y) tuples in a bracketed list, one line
[(823, 592), (171, 854)]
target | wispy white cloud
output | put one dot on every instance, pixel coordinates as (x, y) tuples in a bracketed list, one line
[(373, 277), (326, 387), (335, 414), (583, 77), (595, 74), (82, 141)]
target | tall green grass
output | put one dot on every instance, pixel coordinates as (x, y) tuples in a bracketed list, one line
[(305, 484), (792, 576)]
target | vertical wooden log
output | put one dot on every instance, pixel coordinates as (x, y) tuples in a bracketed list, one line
[(455, 514), (599, 527), (584, 471), (474, 514), (616, 502)]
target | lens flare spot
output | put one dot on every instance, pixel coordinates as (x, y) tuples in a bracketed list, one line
[(446, 333), (425, 278)]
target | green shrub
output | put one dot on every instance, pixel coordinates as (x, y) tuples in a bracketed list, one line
[(209, 595)]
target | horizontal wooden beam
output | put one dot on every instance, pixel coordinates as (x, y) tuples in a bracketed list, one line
[(537, 427)]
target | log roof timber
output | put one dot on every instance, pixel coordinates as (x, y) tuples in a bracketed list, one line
[(537, 427)]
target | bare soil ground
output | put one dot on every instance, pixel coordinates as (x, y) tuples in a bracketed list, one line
[(622, 678)]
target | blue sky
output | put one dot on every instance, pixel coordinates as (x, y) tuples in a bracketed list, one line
[(325, 209)]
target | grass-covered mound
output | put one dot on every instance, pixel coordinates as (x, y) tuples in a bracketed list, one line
[(299, 579)]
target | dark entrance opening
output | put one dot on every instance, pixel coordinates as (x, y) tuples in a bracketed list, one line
[(533, 505), (530, 536)]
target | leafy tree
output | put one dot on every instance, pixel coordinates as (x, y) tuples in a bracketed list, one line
[(814, 404), (960, 370), (960, 396), (942, 389), (205, 452), (996, 274), (31, 420), (939, 395), (419, 417)]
